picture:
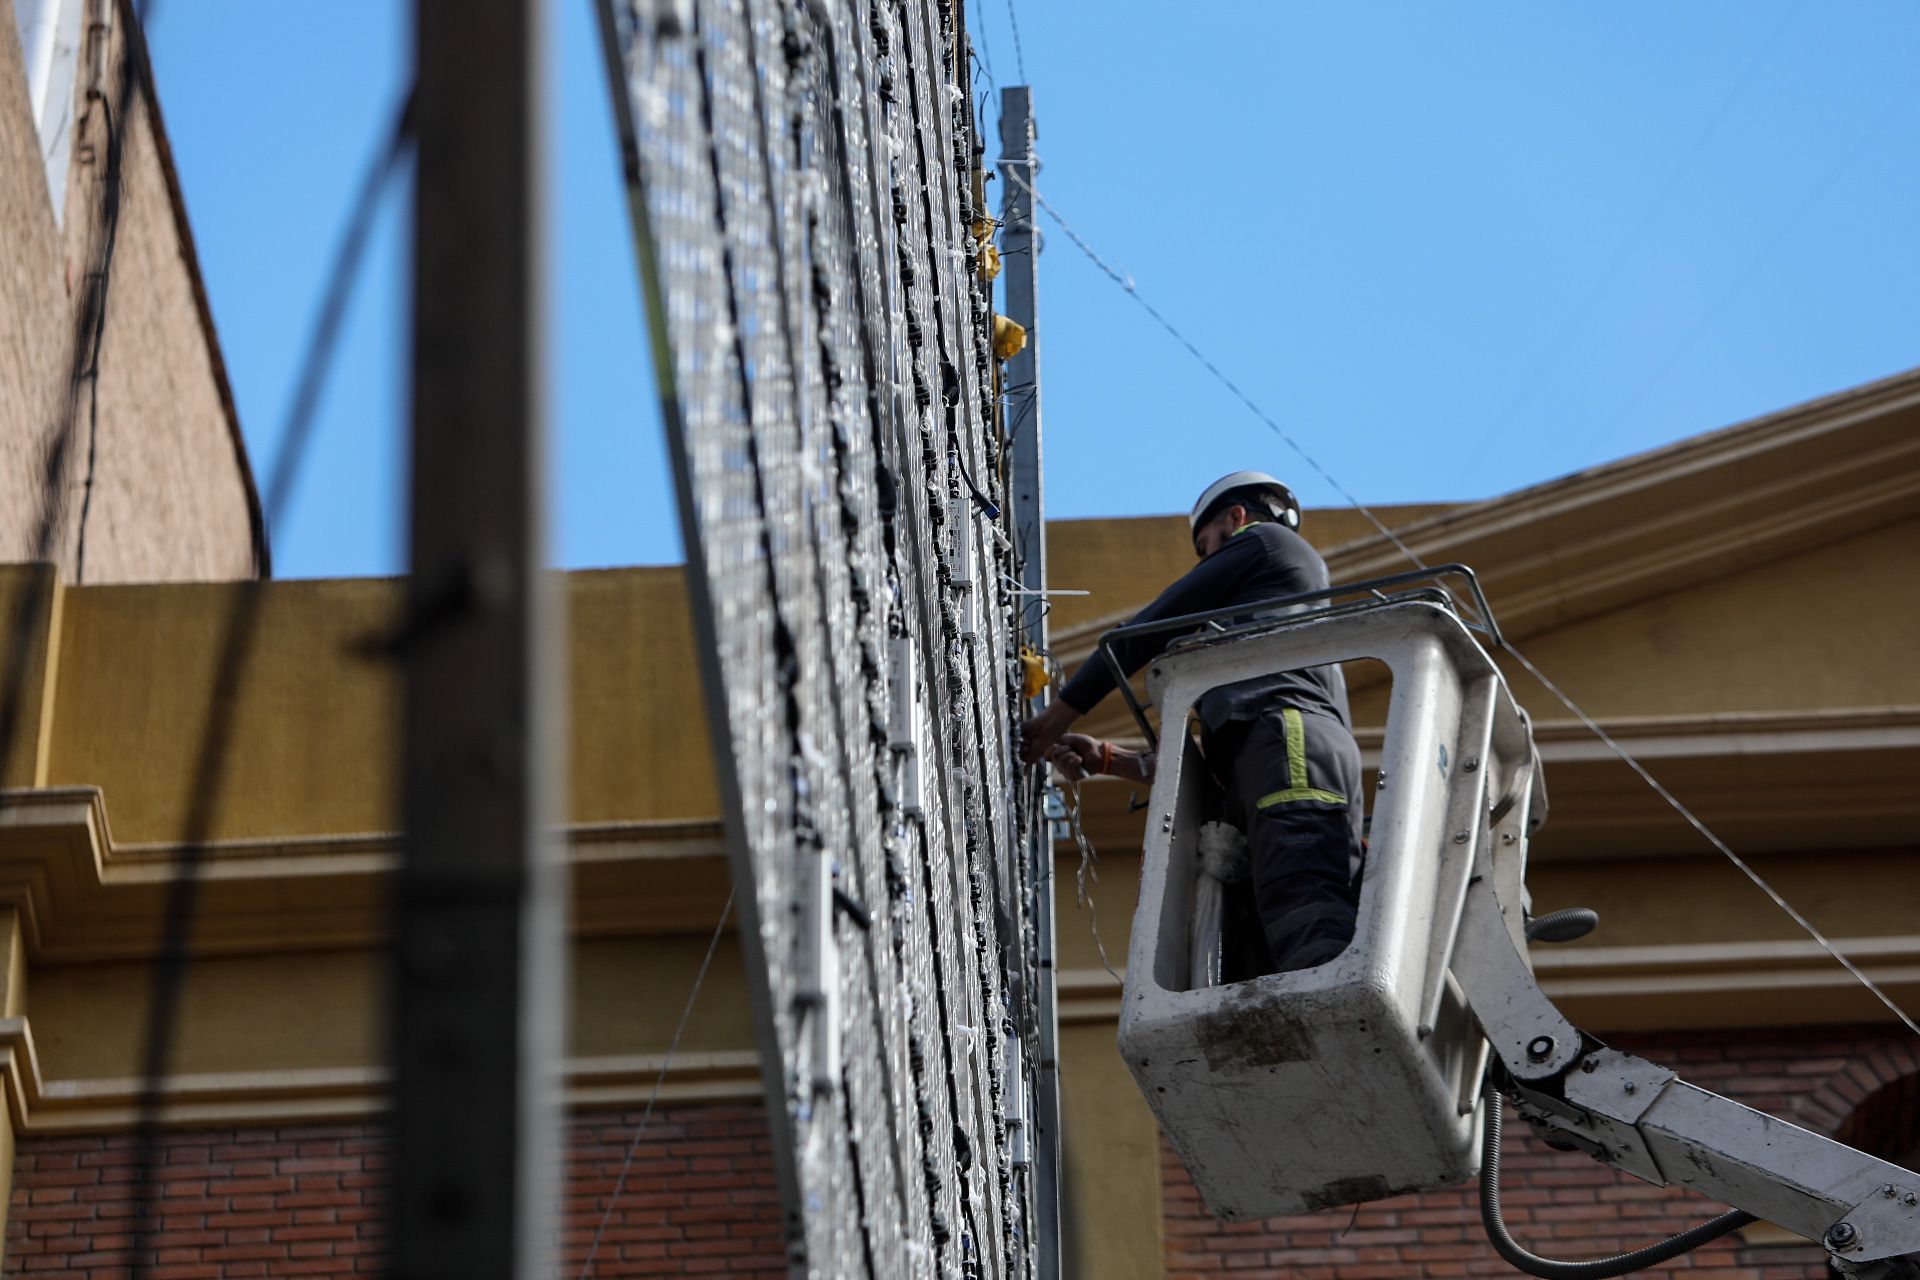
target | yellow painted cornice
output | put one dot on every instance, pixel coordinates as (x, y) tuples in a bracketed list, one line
[(1730, 733), (40, 1105), (32, 596), (1652, 737), (1766, 781), (82, 896), (1669, 518), (1658, 522), (1737, 984)]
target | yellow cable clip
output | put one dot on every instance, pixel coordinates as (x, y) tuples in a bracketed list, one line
[(987, 260), (1009, 338), (1034, 676)]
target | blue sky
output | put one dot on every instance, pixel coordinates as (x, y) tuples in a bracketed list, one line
[(1454, 250)]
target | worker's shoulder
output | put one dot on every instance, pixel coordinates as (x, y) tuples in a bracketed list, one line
[(1274, 538)]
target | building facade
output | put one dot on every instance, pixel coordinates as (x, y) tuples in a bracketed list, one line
[(120, 451), (1735, 609)]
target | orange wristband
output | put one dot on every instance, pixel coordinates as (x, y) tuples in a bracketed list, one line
[(1106, 758)]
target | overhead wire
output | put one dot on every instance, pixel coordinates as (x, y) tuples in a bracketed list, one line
[(89, 323), (983, 65), (1019, 54), (1707, 833), (1126, 283), (97, 284), (659, 1080), (240, 632), (1766, 250), (1612, 744), (986, 53), (98, 279), (1609, 273)]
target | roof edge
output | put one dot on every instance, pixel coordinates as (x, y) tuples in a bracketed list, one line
[(136, 49), (1818, 416)]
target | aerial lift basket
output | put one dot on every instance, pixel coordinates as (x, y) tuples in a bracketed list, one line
[(1360, 1078)]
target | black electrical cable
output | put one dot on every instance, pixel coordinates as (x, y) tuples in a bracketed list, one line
[(1019, 54), (94, 321), (182, 897), (89, 324), (110, 233), (987, 505), (1620, 1264), (1560, 926)]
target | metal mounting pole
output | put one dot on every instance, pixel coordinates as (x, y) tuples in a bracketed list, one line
[(1019, 247), (478, 965)]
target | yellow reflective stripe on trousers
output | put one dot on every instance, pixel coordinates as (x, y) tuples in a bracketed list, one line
[(1296, 750), (1297, 788)]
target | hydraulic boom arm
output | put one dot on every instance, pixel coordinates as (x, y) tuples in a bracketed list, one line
[(1639, 1117)]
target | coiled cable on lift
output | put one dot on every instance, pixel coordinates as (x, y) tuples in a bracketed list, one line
[(1559, 926)]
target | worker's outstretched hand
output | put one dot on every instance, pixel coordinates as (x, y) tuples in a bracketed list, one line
[(1074, 755), (1040, 732)]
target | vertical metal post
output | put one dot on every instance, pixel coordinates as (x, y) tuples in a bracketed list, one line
[(1019, 247), (478, 972)]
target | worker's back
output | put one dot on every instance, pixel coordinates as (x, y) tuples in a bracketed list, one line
[(1277, 562), (1261, 562)]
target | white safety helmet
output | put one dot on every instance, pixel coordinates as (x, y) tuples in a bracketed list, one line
[(1281, 504)]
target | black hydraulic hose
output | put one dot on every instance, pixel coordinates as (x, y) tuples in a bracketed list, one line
[(1518, 1255), (1564, 925)]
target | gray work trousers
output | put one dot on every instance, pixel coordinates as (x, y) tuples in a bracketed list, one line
[(1292, 782)]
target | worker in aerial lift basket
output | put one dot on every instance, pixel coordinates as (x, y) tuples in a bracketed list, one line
[(1280, 745)]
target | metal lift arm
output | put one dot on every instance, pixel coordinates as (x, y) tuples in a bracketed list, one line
[(1639, 1117)]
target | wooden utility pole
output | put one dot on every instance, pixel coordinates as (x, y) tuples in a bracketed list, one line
[(479, 978)]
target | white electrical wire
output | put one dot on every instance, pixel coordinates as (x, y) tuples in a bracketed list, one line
[(1126, 282), (673, 1047), (1089, 870), (1707, 833)]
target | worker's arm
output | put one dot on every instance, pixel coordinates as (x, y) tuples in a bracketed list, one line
[(1208, 585), (1041, 731), (1079, 756)]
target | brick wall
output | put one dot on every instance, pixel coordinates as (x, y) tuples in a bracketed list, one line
[(310, 1202), (171, 497), (1564, 1205), (286, 1202), (699, 1198)]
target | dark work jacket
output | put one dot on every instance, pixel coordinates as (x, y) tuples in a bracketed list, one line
[(1259, 562)]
